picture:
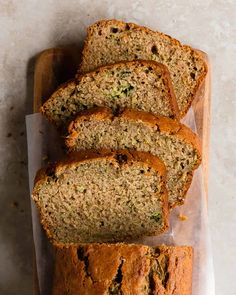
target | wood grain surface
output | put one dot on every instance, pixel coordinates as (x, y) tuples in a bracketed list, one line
[(57, 65)]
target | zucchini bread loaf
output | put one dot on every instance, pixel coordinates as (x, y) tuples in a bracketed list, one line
[(127, 269), (102, 196), (176, 145), (142, 85), (110, 41)]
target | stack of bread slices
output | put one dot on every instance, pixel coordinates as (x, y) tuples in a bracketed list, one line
[(129, 162)]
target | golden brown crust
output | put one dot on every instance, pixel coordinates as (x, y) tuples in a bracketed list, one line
[(179, 269), (94, 269), (104, 22), (103, 263), (124, 157)]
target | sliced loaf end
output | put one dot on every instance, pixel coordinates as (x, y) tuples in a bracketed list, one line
[(123, 269)]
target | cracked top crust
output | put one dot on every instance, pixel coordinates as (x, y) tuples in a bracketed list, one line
[(94, 269)]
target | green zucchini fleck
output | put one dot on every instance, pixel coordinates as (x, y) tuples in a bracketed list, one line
[(122, 90), (156, 216)]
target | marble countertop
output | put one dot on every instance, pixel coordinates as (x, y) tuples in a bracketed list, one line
[(28, 27)]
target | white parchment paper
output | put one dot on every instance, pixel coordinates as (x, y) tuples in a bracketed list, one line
[(44, 145)]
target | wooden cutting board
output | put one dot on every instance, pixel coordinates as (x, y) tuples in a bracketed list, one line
[(57, 65)]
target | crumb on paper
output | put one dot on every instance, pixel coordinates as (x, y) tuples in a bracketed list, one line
[(11, 108), (41, 132), (183, 217), (9, 134)]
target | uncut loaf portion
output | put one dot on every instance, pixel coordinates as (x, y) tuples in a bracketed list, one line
[(102, 196), (115, 269), (110, 41), (175, 144), (142, 85)]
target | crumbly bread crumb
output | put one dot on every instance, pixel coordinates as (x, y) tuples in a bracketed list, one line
[(174, 143), (183, 217), (102, 196), (142, 85)]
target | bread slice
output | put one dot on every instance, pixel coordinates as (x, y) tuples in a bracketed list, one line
[(174, 143), (105, 196), (110, 41), (143, 85), (97, 269)]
